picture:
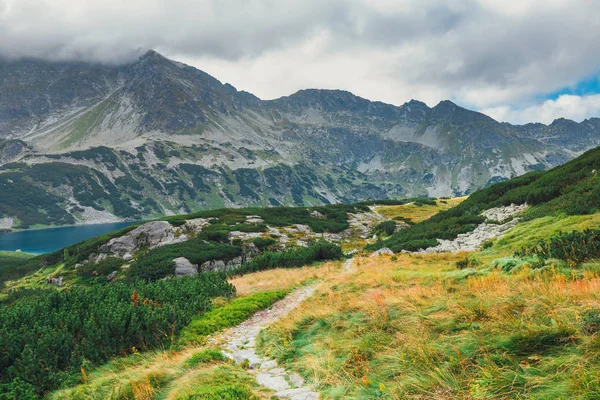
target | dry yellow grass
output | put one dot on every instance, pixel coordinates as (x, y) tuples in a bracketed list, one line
[(281, 279), (410, 326), (418, 213)]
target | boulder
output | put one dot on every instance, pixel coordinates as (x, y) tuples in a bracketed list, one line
[(183, 267), (302, 228), (149, 235), (111, 276), (316, 214), (214, 266), (500, 214), (382, 251)]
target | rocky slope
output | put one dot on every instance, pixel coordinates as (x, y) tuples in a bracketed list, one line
[(82, 142)]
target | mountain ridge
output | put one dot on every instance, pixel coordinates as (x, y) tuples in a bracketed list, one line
[(158, 137)]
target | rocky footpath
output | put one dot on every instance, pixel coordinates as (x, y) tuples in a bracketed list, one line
[(241, 342)]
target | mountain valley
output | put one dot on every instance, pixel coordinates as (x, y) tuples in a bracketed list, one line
[(85, 143)]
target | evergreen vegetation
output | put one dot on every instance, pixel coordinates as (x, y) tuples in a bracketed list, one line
[(47, 338), (385, 227), (574, 248), (318, 251)]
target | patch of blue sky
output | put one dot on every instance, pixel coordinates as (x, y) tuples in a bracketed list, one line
[(587, 86)]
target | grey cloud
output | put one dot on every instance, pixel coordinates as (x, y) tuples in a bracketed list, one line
[(483, 53)]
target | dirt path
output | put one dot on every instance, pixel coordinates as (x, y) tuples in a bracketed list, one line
[(240, 346)]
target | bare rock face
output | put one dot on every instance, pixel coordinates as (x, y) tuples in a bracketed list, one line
[(6, 223), (183, 267), (149, 235), (363, 223), (500, 214), (214, 266), (473, 240), (383, 251)]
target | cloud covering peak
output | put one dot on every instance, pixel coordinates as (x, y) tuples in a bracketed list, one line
[(494, 55)]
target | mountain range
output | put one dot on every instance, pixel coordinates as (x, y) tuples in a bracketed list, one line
[(82, 142)]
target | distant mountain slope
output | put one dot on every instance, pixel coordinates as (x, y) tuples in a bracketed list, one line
[(158, 137), (571, 189)]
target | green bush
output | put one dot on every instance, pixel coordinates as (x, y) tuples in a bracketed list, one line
[(46, 338), (488, 244), (590, 321), (231, 314), (102, 268), (467, 262), (574, 248), (158, 263), (515, 264), (318, 251), (385, 227), (262, 243)]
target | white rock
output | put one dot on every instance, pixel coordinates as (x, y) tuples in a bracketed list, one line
[(382, 251), (273, 382), (183, 267)]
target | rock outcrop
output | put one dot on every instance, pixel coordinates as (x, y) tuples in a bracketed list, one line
[(383, 251), (473, 240), (148, 236), (183, 267)]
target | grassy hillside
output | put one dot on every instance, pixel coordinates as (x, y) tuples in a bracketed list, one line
[(571, 189), (507, 321), (417, 327)]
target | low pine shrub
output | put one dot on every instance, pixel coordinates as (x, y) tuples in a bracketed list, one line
[(318, 251), (386, 227), (590, 321), (574, 248), (262, 243), (467, 262), (44, 339), (103, 268)]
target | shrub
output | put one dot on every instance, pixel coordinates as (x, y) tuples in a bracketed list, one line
[(514, 264), (158, 263), (102, 268), (46, 338), (318, 251), (467, 262), (574, 248), (262, 243), (487, 244), (385, 227), (590, 321)]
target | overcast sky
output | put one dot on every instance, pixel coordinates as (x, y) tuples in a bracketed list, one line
[(516, 60)]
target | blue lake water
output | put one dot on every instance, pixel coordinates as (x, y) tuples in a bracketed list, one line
[(40, 241)]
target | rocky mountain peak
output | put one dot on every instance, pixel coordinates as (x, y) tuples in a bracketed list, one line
[(449, 112)]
